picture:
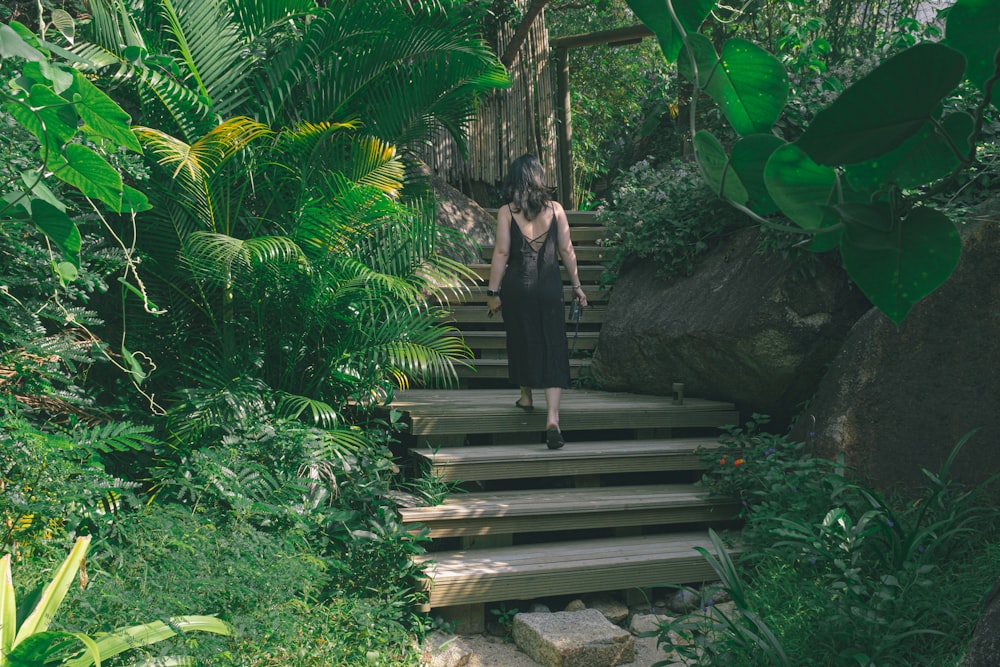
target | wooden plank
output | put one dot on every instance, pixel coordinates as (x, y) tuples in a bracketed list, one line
[(581, 458), (497, 368), (477, 295), (539, 510), (585, 566), (585, 254), (590, 274), (480, 315), (497, 340), (685, 416)]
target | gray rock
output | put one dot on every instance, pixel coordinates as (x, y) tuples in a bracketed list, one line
[(645, 623), (476, 225), (441, 650), (575, 605), (984, 650), (683, 601), (897, 399), (573, 639), (539, 608), (613, 610), (743, 328)]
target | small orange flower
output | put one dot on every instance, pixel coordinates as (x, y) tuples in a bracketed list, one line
[(722, 461), (738, 462)]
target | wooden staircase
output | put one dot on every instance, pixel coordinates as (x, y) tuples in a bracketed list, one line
[(616, 509)]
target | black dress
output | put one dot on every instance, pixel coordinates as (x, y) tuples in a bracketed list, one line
[(534, 312)]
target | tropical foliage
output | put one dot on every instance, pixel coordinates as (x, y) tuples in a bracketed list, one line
[(831, 571), (31, 643), (844, 181), (250, 237)]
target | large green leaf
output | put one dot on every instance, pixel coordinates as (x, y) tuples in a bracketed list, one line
[(123, 639), (8, 607), (896, 263), (923, 158), (103, 117), (800, 187), (882, 110), (750, 85), (133, 201), (714, 163), (12, 45), (41, 649), (45, 609), (974, 29), (46, 115), (58, 227), (705, 57), (749, 158), (654, 13), (90, 173)]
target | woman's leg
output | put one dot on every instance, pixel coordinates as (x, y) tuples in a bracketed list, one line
[(552, 398), (526, 399)]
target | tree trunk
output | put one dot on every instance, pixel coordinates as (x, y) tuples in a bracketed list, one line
[(521, 33)]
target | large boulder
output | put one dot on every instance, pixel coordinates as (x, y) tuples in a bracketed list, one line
[(746, 328), (475, 226), (984, 649), (897, 399)]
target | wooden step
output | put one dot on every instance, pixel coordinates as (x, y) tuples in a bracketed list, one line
[(526, 572), (496, 369), (477, 295), (487, 462), (540, 510), (590, 274), (444, 412), (480, 315), (585, 254), (497, 340)]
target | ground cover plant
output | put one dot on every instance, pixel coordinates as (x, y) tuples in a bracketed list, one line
[(832, 572)]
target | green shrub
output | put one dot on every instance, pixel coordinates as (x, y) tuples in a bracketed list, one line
[(857, 580), (54, 481), (667, 214)]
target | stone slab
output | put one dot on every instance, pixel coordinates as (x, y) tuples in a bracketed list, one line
[(573, 639)]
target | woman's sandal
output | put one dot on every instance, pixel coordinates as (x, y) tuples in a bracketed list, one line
[(526, 408), (554, 439)]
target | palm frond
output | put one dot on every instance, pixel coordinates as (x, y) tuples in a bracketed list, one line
[(193, 166), (292, 406), (197, 161), (256, 17), (219, 258), (213, 47), (385, 43), (114, 26), (420, 347)]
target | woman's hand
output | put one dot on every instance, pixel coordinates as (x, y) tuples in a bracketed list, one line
[(493, 304), (579, 296)]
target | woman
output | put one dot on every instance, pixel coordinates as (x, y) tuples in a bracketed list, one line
[(525, 279)]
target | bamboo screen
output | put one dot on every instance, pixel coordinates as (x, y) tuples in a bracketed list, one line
[(509, 123)]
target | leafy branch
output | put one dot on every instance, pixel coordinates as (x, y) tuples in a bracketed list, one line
[(842, 183)]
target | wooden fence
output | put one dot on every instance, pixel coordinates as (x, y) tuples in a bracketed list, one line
[(509, 123)]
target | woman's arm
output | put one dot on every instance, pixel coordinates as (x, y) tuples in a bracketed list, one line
[(567, 253), (498, 265)]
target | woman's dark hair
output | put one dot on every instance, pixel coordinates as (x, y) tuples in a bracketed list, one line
[(524, 186)]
